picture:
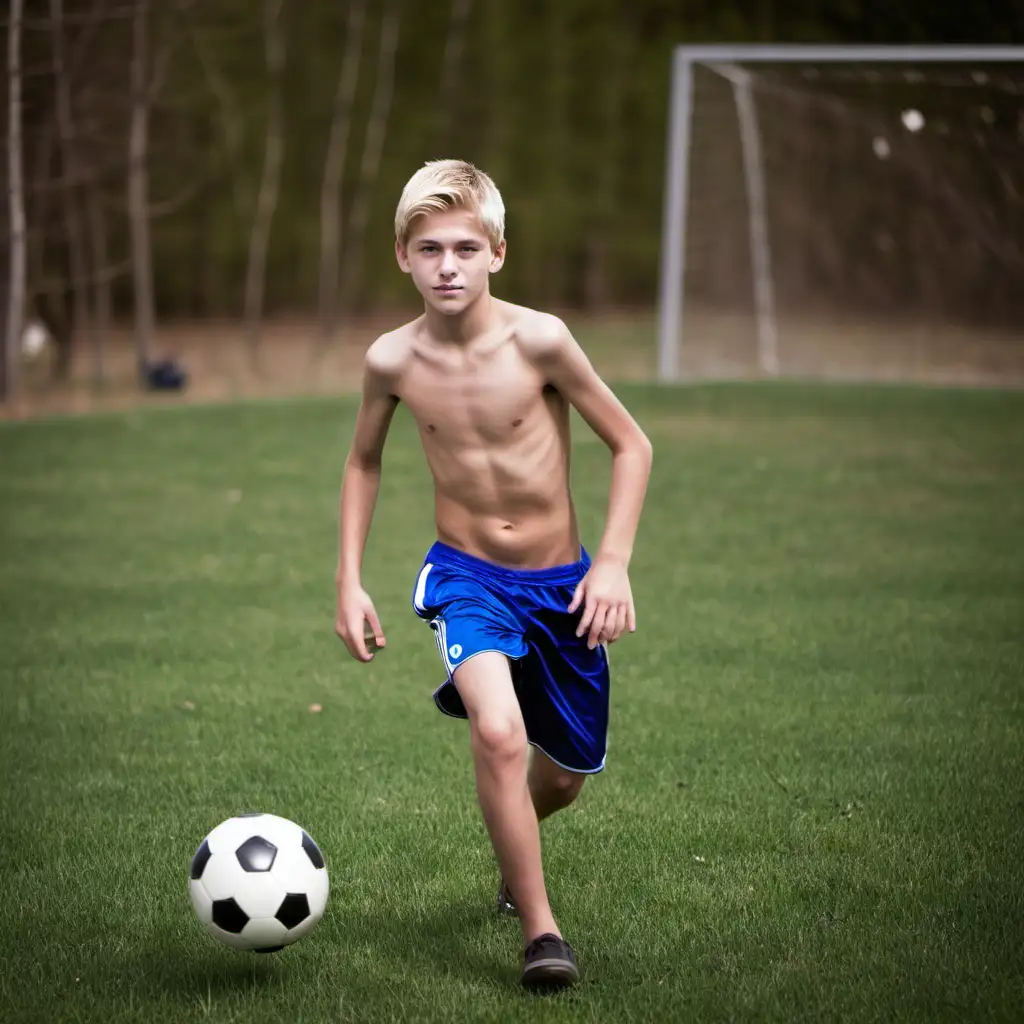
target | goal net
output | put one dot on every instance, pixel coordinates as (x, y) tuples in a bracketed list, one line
[(844, 212)]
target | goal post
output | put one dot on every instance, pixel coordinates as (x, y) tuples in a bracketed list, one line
[(738, 176)]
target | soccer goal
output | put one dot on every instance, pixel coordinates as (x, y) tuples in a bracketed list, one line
[(846, 211)]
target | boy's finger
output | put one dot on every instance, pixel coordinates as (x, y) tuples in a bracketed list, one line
[(620, 625), (359, 648), (378, 633), (576, 598), (631, 618), (597, 626), (586, 618)]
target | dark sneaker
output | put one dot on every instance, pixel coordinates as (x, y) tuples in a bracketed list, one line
[(506, 904), (548, 963)]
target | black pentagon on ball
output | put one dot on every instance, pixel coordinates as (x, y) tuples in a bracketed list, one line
[(199, 860), (312, 850), (294, 909), (269, 949), (256, 854), (229, 916)]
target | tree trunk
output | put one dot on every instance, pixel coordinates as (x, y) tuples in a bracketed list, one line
[(597, 282), (16, 193), (70, 191), (266, 200), (501, 105), (138, 188), (558, 223), (373, 145), (231, 121), (101, 278), (454, 45), (334, 166)]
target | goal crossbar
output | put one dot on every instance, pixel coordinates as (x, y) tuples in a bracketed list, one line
[(684, 59)]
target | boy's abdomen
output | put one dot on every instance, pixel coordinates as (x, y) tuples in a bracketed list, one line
[(524, 539)]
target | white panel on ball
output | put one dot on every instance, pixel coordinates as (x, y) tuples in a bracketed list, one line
[(265, 933), (201, 902), (295, 870), (222, 876), (259, 893)]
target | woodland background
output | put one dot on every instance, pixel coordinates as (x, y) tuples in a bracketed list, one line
[(231, 161)]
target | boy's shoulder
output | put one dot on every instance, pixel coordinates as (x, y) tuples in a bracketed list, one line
[(389, 353), (538, 334)]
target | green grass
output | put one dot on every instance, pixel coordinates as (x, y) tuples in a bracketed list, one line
[(813, 805)]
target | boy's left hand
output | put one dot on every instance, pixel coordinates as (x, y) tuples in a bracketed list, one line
[(607, 601)]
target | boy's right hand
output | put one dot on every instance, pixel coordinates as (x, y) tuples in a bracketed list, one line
[(357, 623)]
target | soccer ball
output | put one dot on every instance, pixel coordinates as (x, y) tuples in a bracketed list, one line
[(258, 882)]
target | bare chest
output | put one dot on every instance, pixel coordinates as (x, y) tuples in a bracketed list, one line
[(492, 400)]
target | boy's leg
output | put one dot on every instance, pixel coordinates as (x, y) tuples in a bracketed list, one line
[(552, 787), (498, 740)]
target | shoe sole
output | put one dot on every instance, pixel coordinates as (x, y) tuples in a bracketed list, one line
[(550, 974)]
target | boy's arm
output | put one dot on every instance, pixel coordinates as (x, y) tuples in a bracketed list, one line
[(359, 488), (605, 592)]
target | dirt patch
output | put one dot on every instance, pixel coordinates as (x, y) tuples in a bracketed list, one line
[(294, 361), (291, 360)]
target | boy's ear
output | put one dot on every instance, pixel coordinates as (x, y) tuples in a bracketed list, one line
[(498, 259), (403, 257)]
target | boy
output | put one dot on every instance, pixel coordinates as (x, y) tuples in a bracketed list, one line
[(520, 614)]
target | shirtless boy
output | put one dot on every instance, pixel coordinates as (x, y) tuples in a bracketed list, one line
[(521, 615)]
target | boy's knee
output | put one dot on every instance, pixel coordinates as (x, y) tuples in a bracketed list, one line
[(566, 786), (553, 787), (500, 738)]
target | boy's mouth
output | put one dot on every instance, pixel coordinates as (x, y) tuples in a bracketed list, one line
[(447, 288)]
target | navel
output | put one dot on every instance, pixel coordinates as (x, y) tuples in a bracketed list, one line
[(517, 422), (431, 428)]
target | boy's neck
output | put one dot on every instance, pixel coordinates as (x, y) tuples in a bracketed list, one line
[(461, 329)]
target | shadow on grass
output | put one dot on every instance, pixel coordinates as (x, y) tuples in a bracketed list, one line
[(460, 941), (182, 974), (379, 955)]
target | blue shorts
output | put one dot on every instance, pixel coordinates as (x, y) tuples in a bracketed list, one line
[(475, 606)]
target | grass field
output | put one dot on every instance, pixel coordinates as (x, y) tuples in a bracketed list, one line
[(814, 802)]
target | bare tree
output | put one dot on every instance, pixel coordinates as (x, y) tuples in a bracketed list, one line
[(231, 120), (101, 280), (373, 145), (266, 200), (334, 166), (71, 172), (619, 45), (559, 83), (501, 92), (451, 60), (138, 186), (88, 124), (16, 192)]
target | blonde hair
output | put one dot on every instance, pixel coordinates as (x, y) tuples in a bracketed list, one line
[(451, 184)]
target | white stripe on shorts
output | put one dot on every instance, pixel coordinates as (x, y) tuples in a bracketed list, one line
[(421, 587)]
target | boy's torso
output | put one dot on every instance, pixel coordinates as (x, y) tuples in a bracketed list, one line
[(497, 439)]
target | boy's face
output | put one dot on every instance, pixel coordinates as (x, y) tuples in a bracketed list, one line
[(449, 258)]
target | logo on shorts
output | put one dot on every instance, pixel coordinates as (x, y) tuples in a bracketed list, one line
[(455, 651)]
